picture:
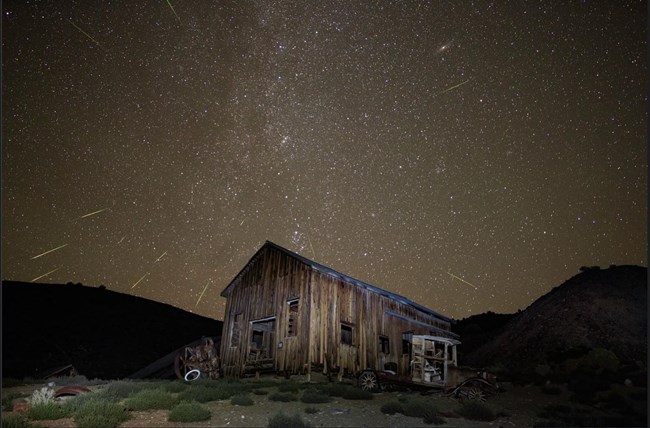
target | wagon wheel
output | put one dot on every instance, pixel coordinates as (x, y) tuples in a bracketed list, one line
[(183, 366), (368, 381), (473, 389)]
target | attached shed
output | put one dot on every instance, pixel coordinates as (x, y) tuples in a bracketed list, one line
[(288, 314)]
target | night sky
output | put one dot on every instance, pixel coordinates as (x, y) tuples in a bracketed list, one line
[(470, 156)]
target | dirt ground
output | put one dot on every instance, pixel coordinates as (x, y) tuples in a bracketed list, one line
[(521, 404)]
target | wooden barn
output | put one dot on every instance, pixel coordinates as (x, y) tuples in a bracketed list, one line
[(288, 314)]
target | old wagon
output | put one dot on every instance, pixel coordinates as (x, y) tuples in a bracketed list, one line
[(433, 365)]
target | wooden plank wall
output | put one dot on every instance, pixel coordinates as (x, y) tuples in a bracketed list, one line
[(325, 302), (262, 291), (335, 301)]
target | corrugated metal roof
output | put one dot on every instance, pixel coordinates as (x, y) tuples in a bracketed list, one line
[(329, 271)]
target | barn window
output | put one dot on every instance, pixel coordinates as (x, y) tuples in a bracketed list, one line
[(384, 345), (292, 324), (346, 334), (406, 342), (235, 333)]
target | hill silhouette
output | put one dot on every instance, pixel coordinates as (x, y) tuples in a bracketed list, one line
[(103, 334), (597, 308)]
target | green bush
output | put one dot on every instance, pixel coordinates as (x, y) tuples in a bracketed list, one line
[(288, 387), (315, 396), (282, 396), (357, 394), (116, 391), (241, 400), (15, 421), (148, 399), (9, 397), (431, 416), (175, 386), (416, 407), (97, 413), (392, 407), (260, 392), (280, 420), (189, 412), (46, 411), (476, 411), (334, 389), (209, 392), (603, 359)]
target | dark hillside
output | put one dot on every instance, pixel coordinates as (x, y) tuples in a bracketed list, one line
[(595, 309), (102, 333)]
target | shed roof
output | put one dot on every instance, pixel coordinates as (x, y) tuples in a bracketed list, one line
[(329, 271)]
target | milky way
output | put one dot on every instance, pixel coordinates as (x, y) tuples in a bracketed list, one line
[(468, 156)]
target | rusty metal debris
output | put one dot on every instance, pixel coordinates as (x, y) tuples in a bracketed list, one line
[(71, 390), (202, 357)]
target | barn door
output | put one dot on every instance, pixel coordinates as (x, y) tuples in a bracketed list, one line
[(262, 339)]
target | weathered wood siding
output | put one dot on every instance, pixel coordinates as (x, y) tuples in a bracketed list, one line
[(326, 302), (336, 302), (262, 291)]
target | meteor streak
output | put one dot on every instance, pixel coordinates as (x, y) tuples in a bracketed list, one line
[(87, 35), (161, 256), (172, 8), (204, 288), (49, 251), (93, 213), (461, 279), (455, 86), (138, 281), (312, 247), (45, 274)]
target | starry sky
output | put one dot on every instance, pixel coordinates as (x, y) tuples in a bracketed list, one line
[(470, 156)]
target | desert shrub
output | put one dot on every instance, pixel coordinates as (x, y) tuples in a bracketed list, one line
[(391, 408), (476, 411), (584, 384), (241, 400), (357, 394), (563, 415), (70, 380), (315, 396), (431, 416), (288, 387), (189, 411), (280, 420), (46, 411), (282, 396), (116, 391), (150, 399), (333, 389), (204, 393), (9, 397), (100, 414), (15, 421), (416, 407), (311, 410), (174, 387), (44, 395), (260, 392), (600, 358)]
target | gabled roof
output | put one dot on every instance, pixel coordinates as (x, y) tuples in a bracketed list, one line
[(329, 271)]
